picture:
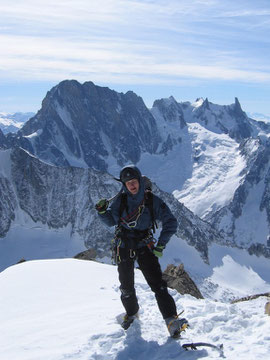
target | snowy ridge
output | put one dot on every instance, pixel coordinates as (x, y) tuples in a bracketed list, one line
[(65, 292)]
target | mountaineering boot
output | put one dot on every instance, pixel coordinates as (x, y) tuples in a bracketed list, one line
[(176, 326), (128, 320)]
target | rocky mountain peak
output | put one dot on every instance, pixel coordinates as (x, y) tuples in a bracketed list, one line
[(91, 123), (237, 107), (170, 110), (206, 104)]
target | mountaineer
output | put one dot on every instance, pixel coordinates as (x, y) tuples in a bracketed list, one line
[(134, 213)]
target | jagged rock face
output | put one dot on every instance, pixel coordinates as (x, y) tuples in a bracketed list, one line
[(246, 220), (170, 110), (7, 205), (242, 128), (90, 123), (3, 141), (196, 232), (57, 197), (167, 113), (227, 119)]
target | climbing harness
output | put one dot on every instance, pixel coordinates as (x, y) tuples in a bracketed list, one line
[(120, 239)]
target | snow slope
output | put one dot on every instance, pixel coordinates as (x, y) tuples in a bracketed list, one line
[(69, 309), (217, 167)]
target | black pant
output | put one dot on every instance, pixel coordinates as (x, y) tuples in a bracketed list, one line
[(149, 265)]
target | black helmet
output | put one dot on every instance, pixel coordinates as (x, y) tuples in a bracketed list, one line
[(129, 173)]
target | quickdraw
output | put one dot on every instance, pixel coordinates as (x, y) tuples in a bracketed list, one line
[(133, 223)]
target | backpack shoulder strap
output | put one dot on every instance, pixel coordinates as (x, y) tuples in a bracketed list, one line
[(149, 203), (123, 206)]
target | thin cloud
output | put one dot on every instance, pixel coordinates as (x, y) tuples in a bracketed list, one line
[(124, 40)]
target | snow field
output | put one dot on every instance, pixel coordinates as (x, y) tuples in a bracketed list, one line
[(69, 309)]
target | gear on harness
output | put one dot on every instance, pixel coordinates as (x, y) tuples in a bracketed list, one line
[(126, 234), (129, 222), (115, 246), (150, 241), (144, 237)]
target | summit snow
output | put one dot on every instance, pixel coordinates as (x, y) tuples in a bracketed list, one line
[(70, 309)]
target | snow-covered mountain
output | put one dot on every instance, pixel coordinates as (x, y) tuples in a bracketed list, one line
[(197, 144), (12, 122), (202, 153), (70, 309), (228, 183)]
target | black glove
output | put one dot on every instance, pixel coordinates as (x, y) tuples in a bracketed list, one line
[(102, 206)]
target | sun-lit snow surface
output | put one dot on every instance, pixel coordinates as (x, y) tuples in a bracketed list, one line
[(216, 170), (68, 309), (206, 162)]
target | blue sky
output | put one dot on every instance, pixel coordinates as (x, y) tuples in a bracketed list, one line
[(185, 48)]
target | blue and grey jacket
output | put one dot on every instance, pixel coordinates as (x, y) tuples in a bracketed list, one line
[(144, 221)]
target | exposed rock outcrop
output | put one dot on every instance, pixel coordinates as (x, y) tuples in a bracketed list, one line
[(177, 278)]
